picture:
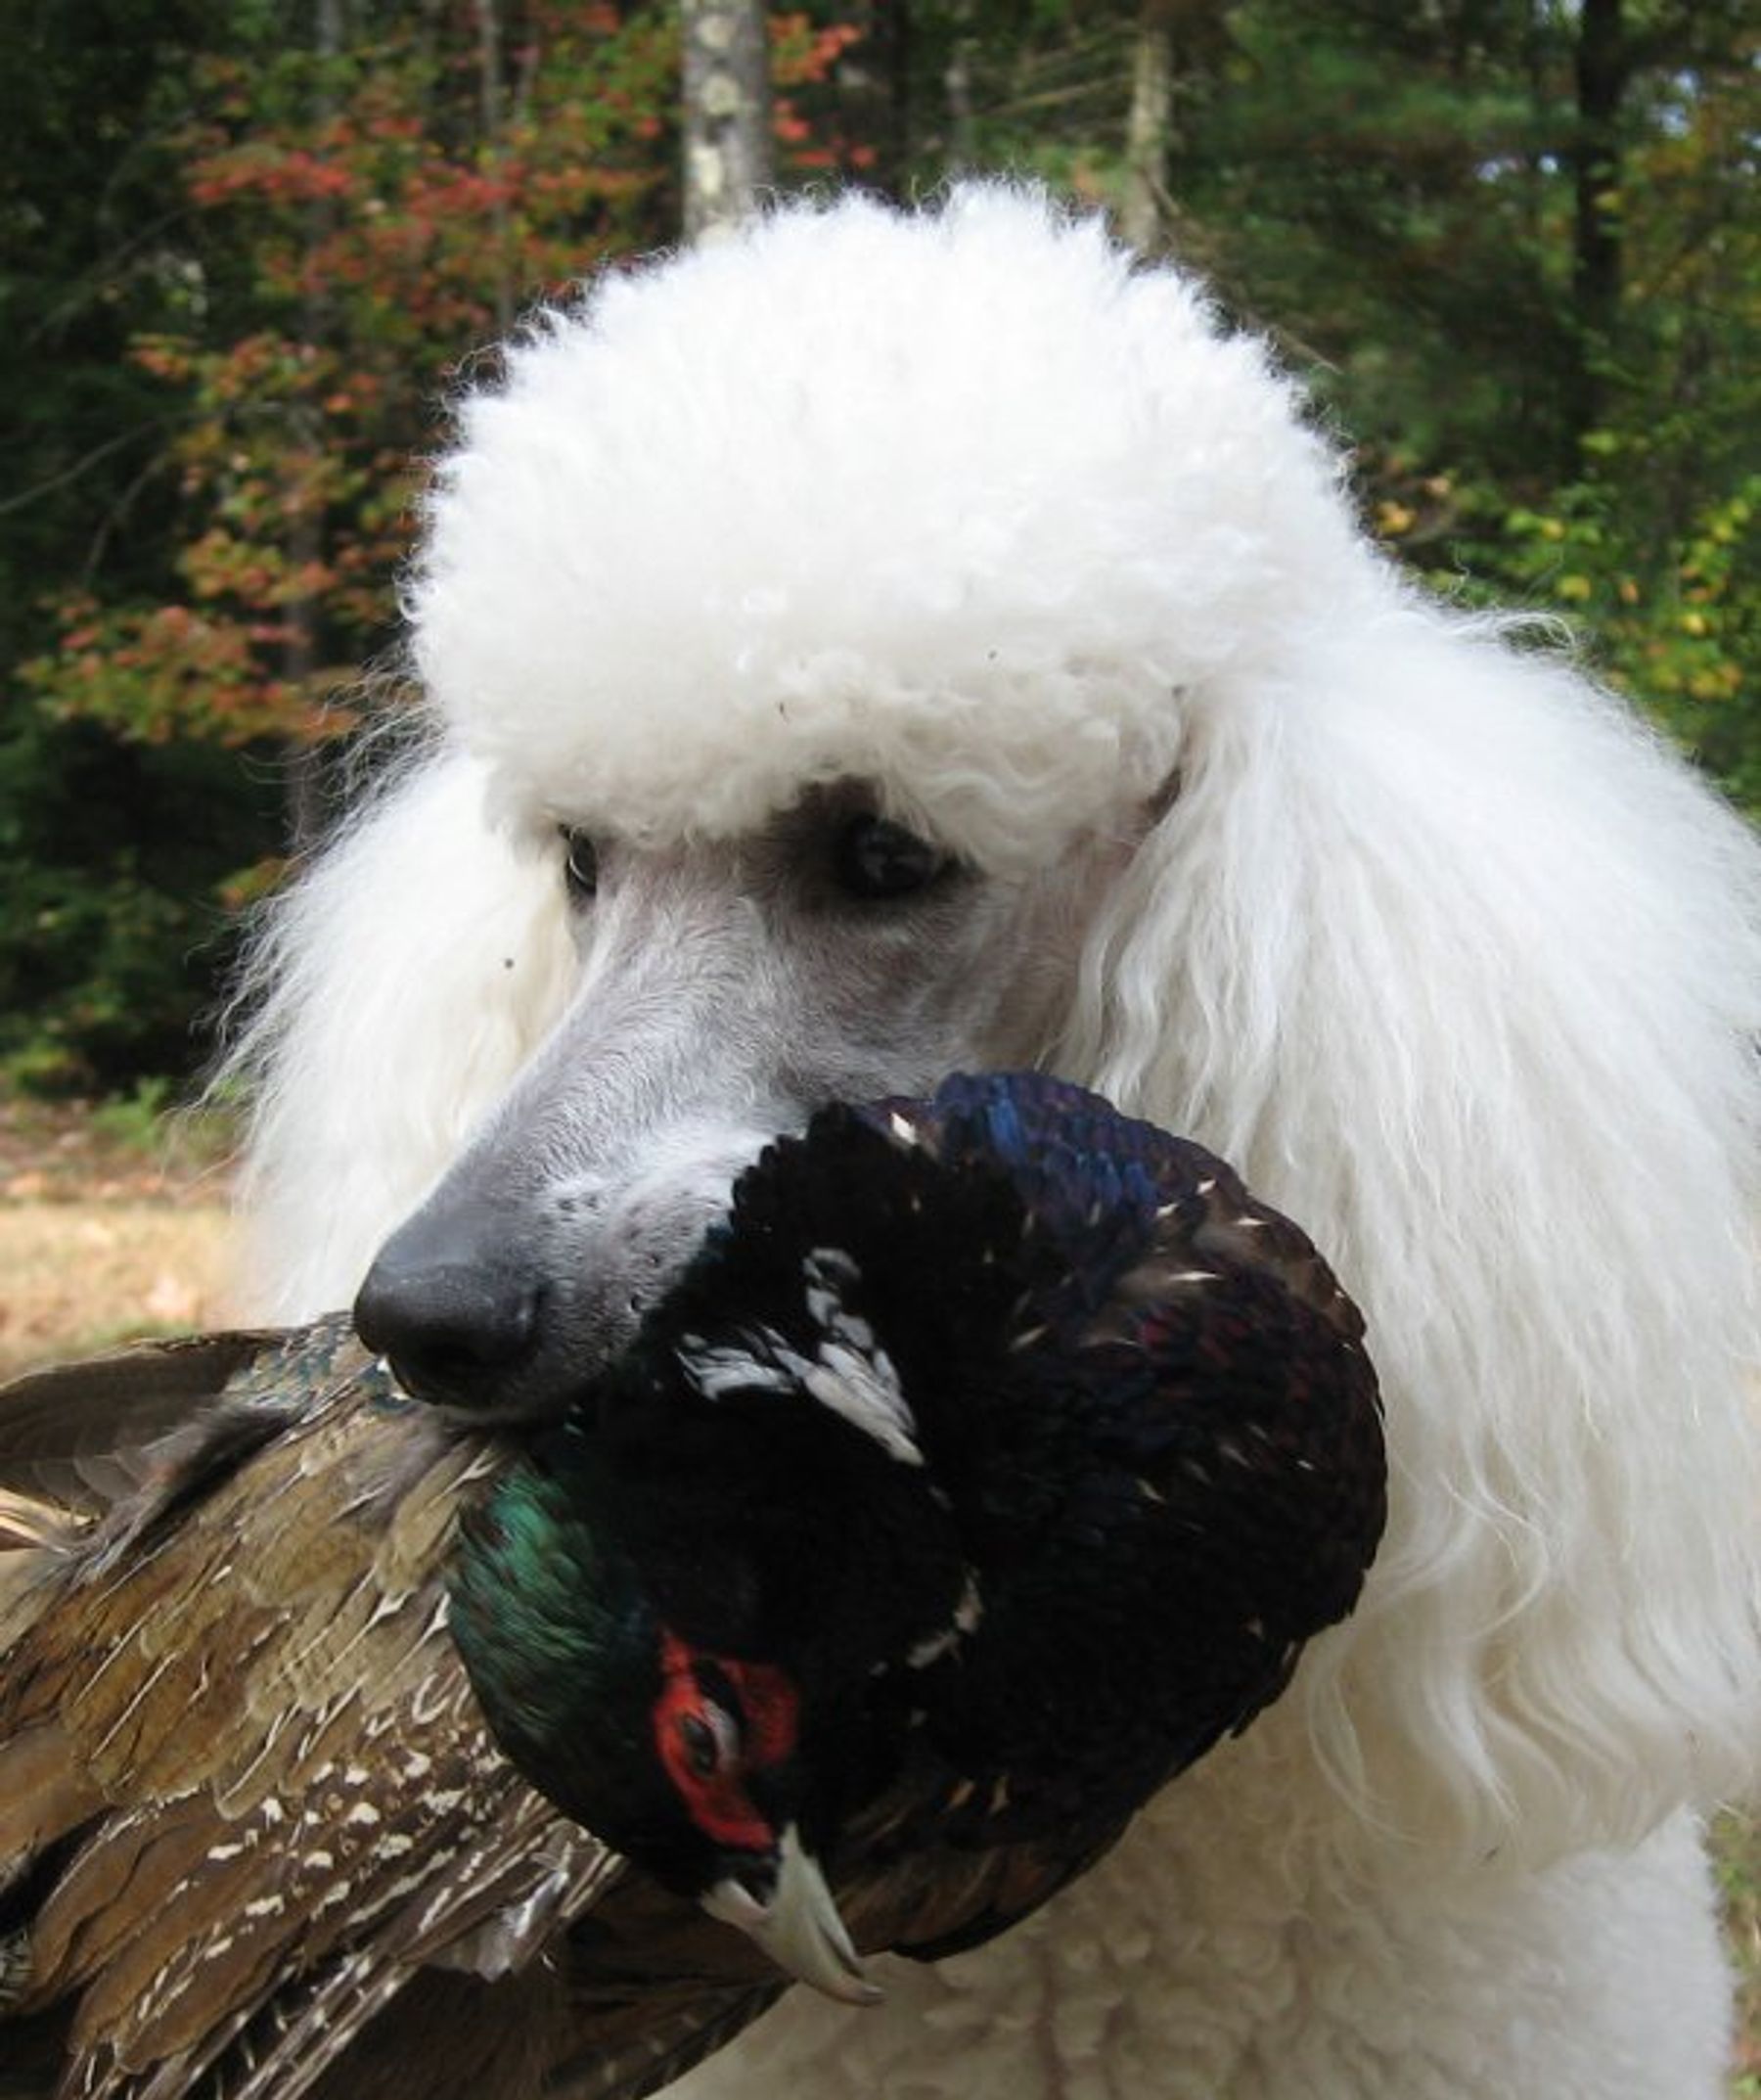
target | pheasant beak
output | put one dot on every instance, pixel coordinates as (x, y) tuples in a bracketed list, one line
[(797, 1924)]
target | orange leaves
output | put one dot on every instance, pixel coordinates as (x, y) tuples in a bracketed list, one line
[(805, 56), (801, 52), (172, 671), (278, 174)]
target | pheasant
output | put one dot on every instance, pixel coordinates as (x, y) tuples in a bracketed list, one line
[(993, 1458)]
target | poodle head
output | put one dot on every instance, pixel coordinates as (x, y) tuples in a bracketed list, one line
[(963, 505)]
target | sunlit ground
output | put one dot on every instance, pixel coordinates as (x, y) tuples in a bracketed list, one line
[(75, 1278)]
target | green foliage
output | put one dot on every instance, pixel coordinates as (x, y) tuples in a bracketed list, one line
[(137, 1117), (90, 241), (1737, 1860), (1404, 208), (108, 865), (1676, 625), (116, 928), (239, 266)]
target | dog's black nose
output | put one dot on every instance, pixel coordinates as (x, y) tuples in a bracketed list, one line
[(452, 1306)]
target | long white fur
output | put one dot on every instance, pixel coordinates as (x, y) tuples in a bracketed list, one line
[(1434, 942)]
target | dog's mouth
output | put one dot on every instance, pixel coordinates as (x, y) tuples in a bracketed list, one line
[(477, 1304)]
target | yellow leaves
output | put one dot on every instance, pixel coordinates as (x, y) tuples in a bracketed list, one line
[(1715, 681)]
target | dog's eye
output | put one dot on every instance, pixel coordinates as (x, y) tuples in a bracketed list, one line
[(580, 863), (872, 858)]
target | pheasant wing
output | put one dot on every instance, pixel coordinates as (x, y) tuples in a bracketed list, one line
[(244, 1789)]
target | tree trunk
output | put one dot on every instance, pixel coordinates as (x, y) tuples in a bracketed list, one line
[(1150, 130), (727, 113)]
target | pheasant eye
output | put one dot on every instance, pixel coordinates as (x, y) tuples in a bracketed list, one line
[(702, 1744), (873, 859), (722, 1721), (708, 1739), (580, 863)]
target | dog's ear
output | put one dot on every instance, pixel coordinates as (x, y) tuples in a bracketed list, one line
[(1462, 969), (394, 991)]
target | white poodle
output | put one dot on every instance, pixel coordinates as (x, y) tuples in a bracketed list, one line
[(887, 643)]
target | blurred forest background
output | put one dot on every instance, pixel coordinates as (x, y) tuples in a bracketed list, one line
[(247, 247)]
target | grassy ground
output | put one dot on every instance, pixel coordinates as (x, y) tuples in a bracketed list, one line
[(107, 1231), (1738, 1848)]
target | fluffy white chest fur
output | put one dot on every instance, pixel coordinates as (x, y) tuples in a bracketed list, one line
[(888, 643), (1188, 1966), (1182, 1968)]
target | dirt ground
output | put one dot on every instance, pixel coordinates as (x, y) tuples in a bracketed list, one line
[(105, 1234)]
